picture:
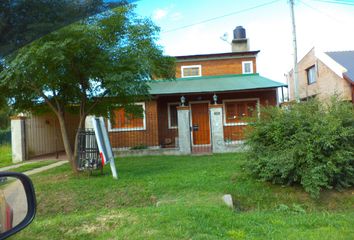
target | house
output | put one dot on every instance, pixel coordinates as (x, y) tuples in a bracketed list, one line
[(323, 74), (204, 109)]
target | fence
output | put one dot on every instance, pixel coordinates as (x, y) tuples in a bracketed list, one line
[(43, 135), (5, 137), (88, 154)]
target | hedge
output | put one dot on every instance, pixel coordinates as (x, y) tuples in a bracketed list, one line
[(309, 143)]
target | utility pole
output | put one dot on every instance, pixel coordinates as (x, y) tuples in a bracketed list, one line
[(295, 69)]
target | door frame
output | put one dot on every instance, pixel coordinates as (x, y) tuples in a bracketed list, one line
[(191, 123)]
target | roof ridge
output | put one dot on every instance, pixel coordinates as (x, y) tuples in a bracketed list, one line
[(339, 51)]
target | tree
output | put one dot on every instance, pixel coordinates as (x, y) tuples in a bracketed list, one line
[(22, 21), (87, 67)]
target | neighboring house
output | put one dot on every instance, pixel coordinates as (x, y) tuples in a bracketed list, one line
[(324, 74), (206, 105)]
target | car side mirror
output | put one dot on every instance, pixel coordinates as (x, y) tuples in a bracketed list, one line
[(17, 203)]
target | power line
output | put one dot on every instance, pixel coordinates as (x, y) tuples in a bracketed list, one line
[(218, 17), (322, 12), (340, 2)]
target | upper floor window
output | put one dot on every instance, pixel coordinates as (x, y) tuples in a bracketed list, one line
[(247, 67), (311, 75), (191, 71), (123, 121)]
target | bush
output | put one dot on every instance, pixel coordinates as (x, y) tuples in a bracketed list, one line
[(308, 143)]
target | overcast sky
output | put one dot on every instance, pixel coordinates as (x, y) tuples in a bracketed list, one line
[(327, 26)]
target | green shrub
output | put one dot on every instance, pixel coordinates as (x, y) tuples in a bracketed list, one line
[(139, 147), (308, 143)]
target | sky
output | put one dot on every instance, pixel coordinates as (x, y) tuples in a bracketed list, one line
[(319, 23)]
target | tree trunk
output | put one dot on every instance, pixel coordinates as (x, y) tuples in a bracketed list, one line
[(76, 143), (68, 149)]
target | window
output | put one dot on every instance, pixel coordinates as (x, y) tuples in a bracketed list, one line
[(247, 67), (122, 121), (191, 71), (237, 110), (311, 75), (172, 115)]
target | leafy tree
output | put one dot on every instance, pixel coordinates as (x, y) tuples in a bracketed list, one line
[(22, 21), (5, 112), (88, 67)]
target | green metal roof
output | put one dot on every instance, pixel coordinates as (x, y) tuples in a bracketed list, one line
[(222, 83)]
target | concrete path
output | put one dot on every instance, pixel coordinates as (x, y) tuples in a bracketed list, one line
[(4, 169), (36, 170), (41, 169)]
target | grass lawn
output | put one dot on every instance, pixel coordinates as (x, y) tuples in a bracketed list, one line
[(5, 155), (179, 197), (6, 160)]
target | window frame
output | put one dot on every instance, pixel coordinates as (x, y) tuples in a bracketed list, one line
[(169, 115), (191, 66), (239, 100), (314, 74), (143, 128), (243, 67)]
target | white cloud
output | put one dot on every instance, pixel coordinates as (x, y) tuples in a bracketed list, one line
[(167, 12), (159, 14)]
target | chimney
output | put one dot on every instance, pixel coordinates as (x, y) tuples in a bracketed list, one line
[(240, 43)]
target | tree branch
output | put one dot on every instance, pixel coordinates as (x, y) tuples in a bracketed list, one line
[(97, 100), (47, 100)]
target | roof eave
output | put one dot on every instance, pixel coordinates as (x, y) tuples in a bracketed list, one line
[(221, 91), (346, 77)]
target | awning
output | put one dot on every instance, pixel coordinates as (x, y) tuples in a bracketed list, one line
[(224, 83)]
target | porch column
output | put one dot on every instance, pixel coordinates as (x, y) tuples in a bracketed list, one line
[(184, 133), (217, 128), (18, 139)]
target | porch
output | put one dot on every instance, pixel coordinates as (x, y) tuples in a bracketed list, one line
[(194, 115)]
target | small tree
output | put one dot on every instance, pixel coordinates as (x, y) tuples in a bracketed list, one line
[(87, 67)]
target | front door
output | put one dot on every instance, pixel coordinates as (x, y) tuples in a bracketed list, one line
[(200, 123)]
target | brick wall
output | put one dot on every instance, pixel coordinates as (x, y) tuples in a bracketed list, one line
[(266, 97), (327, 82), (166, 136), (218, 67), (147, 137)]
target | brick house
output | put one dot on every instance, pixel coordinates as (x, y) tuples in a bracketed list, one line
[(323, 74), (206, 106)]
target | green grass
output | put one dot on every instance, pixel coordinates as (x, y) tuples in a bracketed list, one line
[(5, 155), (6, 160), (179, 197), (32, 166)]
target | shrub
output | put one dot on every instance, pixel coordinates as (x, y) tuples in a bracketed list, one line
[(308, 143), (139, 147)]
